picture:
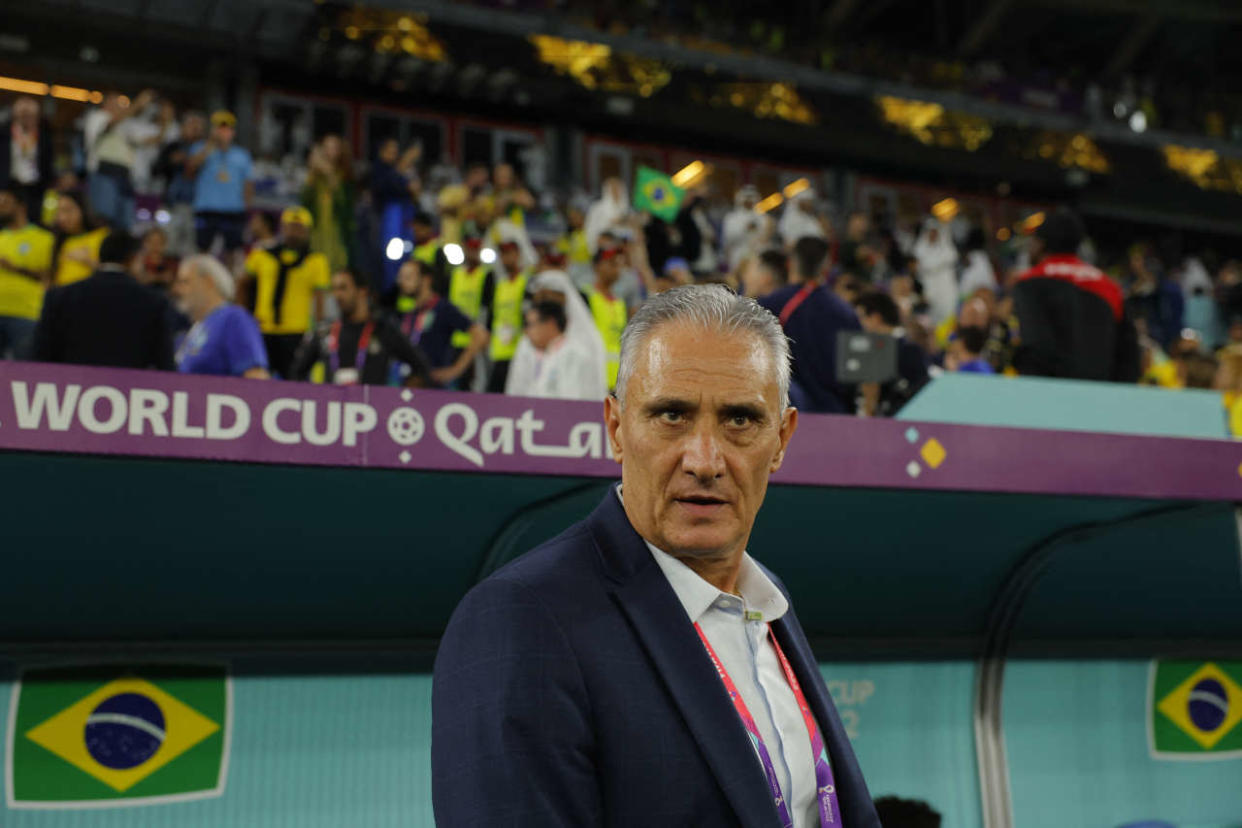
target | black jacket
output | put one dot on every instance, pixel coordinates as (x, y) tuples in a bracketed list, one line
[(1073, 323), (108, 319)]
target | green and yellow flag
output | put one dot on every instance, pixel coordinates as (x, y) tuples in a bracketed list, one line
[(1196, 709), (655, 193), (112, 735)]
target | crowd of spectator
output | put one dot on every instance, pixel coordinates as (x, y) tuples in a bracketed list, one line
[(399, 271)]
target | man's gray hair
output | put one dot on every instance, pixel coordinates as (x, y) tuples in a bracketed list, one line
[(715, 308), (210, 266)]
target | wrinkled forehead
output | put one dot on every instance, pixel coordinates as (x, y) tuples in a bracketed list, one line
[(686, 359)]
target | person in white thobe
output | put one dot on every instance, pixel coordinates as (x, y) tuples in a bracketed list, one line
[(744, 227), (937, 259)]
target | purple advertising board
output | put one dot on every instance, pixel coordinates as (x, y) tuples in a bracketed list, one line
[(55, 408)]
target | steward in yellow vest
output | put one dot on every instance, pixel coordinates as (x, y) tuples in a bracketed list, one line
[(428, 245), (466, 285), (503, 301), (609, 312)]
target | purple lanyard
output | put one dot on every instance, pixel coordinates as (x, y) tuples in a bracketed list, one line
[(415, 321), (825, 787)]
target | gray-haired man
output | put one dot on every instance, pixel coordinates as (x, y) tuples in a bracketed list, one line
[(225, 339), (642, 668)]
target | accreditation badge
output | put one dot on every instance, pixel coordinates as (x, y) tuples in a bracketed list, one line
[(346, 376)]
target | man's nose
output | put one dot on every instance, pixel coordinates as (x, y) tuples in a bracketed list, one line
[(701, 454)]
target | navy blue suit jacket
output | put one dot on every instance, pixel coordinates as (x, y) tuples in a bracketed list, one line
[(570, 689)]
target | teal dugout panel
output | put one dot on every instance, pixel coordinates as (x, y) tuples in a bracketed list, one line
[(1068, 405), (115, 549), (141, 558), (1079, 755)]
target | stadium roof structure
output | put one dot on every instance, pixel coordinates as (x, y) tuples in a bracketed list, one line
[(472, 58)]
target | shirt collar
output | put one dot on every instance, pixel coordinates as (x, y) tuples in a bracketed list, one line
[(697, 596)]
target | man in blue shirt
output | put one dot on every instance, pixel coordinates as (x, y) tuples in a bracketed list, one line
[(966, 351), (223, 187), (811, 316), (225, 340), (429, 322)]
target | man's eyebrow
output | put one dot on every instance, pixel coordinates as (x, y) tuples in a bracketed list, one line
[(669, 404)]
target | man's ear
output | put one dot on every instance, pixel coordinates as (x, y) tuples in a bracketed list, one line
[(789, 424), (612, 423)]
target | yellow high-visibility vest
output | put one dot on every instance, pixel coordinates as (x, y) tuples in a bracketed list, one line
[(426, 252), (507, 316), (466, 292), (610, 317)]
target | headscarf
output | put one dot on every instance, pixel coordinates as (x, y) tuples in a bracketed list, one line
[(580, 330)]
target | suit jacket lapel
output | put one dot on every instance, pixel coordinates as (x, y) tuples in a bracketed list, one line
[(658, 618)]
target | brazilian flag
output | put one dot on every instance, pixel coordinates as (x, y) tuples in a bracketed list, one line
[(655, 193), (1196, 709), (117, 735)]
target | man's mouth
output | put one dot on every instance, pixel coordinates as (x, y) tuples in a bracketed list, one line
[(702, 500)]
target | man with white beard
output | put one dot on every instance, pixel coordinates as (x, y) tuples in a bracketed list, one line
[(225, 340), (744, 227)]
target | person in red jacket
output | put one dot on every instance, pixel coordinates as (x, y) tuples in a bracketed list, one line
[(1071, 316)]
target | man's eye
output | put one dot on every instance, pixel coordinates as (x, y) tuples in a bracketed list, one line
[(671, 416), (740, 420)]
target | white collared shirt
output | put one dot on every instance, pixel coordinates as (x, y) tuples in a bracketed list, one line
[(746, 652)]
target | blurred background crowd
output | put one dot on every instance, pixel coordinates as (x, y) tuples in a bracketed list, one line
[(301, 246)]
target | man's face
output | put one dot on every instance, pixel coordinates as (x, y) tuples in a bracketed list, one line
[(701, 430), (189, 289), (871, 322), (154, 244), (346, 293), (408, 278), (26, 112), (756, 281), (68, 215), (503, 176), (8, 207), (294, 234), (223, 134), (472, 253), (389, 152), (858, 226), (511, 258), (193, 127), (541, 332), (608, 269), (476, 177)]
